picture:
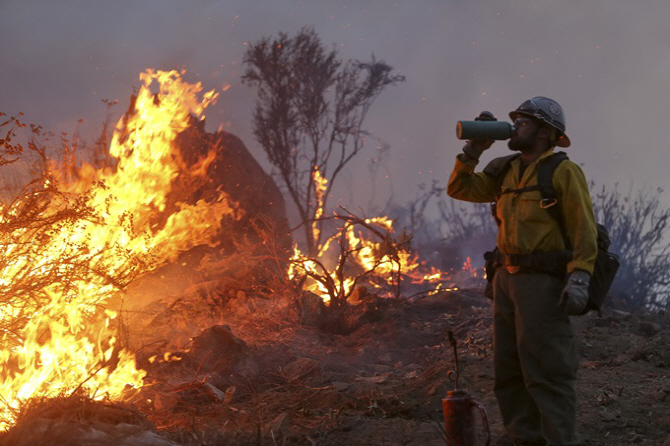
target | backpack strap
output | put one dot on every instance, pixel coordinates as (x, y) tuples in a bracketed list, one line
[(545, 184), (545, 174), (497, 168)]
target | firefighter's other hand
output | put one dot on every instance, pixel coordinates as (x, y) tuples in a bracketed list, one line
[(575, 295), (475, 147)]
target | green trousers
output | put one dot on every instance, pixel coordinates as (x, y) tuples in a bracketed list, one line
[(535, 360)]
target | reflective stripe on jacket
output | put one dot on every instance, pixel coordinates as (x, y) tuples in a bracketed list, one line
[(525, 227)]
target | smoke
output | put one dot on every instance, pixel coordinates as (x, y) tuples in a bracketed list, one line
[(606, 62)]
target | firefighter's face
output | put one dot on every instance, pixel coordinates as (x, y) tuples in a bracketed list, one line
[(524, 136)]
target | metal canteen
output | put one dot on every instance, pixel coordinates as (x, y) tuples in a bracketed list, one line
[(482, 130)]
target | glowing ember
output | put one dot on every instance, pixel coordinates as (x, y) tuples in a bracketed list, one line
[(67, 336), (467, 266)]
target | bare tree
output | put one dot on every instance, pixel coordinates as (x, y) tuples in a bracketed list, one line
[(309, 115)]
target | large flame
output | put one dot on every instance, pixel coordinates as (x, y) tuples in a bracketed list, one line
[(67, 339)]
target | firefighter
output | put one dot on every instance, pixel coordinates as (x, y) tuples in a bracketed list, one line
[(535, 359)]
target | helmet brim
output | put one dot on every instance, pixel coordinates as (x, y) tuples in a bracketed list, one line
[(563, 141)]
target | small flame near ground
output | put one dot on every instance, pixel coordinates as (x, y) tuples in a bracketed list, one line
[(366, 256), (70, 342)]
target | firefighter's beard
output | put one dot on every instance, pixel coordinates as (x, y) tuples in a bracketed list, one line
[(523, 144)]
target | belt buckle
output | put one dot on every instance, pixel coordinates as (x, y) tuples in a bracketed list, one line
[(512, 269)]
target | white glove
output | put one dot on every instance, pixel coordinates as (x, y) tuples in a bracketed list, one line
[(575, 294)]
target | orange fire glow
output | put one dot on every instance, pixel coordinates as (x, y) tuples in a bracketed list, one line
[(365, 257), (70, 341)]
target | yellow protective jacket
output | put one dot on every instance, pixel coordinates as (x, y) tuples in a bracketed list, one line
[(525, 227)]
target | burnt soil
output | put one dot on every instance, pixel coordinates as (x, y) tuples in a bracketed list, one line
[(260, 377), (230, 367)]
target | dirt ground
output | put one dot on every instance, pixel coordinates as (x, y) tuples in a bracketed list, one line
[(261, 378), (253, 374)]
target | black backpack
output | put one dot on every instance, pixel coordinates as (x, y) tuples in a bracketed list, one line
[(607, 263)]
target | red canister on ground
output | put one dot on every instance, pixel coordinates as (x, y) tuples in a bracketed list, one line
[(460, 421)]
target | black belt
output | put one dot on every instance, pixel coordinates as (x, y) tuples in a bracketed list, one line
[(552, 262)]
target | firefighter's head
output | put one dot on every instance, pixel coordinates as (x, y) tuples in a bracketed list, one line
[(541, 112)]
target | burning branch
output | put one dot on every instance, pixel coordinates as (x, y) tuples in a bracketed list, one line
[(378, 259)]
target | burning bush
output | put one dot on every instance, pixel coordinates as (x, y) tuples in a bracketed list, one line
[(357, 259), (78, 235), (71, 247)]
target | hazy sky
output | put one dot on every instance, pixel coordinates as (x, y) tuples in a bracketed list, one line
[(607, 62)]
